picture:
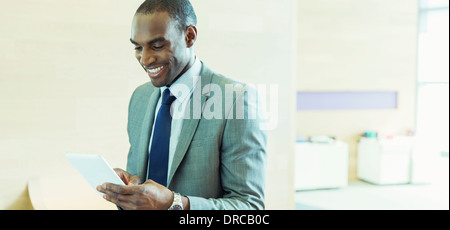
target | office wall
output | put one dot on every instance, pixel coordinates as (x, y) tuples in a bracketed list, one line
[(354, 45), (254, 41), (67, 71)]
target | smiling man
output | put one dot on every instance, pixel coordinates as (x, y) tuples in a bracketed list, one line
[(185, 161)]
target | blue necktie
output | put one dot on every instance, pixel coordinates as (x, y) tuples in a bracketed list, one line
[(159, 152)]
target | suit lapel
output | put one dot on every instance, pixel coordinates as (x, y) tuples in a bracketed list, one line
[(146, 130), (190, 124)]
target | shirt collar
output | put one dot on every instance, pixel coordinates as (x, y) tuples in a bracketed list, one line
[(183, 87)]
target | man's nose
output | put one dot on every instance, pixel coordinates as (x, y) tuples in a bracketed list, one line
[(147, 58)]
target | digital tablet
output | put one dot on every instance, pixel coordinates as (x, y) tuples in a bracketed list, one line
[(94, 169)]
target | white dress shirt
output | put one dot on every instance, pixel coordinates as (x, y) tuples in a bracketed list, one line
[(182, 89)]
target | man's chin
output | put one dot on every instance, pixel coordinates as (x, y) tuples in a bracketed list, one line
[(157, 83)]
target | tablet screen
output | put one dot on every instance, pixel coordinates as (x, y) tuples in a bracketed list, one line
[(94, 169)]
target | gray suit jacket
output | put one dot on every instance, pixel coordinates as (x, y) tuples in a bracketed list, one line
[(219, 163)]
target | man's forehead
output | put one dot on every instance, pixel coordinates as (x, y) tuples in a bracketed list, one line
[(155, 24), (154, 20)]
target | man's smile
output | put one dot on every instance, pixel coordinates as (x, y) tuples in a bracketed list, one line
[(155, 72)]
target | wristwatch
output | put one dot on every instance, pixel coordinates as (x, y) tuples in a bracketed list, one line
[(177, 203)]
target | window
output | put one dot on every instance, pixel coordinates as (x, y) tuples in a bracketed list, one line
[(433, 73)]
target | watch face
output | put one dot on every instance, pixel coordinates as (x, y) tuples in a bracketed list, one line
[(177, 207)]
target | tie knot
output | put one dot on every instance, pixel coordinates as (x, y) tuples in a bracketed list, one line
[(167, 99)]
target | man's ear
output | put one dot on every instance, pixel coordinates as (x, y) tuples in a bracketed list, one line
[(190, 35)]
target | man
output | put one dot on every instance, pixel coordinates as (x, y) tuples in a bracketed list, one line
[(209, 151)]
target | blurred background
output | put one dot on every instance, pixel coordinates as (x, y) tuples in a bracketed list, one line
[(362, 96)]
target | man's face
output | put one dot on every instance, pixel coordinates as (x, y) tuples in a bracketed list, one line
[(160, 47)]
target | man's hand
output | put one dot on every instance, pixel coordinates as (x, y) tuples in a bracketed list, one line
[(149, 195), (134, 195), (127, 178)]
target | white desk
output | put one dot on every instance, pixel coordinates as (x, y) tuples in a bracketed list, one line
[(65, 192), (384, 160), (321, 165)]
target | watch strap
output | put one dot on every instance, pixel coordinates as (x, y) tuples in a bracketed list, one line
[(177, 203)]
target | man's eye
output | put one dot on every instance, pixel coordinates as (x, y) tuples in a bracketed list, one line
[(138, 48), (158, 47)]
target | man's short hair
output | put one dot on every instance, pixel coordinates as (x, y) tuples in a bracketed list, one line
[(180, 10)]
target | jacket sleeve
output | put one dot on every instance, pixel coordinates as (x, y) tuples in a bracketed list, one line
[(132, 125), (243, 159)]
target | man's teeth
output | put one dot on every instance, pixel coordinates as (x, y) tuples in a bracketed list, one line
[(155, 70)]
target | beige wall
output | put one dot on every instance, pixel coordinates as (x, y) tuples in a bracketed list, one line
[(67, 71), (354, 45)]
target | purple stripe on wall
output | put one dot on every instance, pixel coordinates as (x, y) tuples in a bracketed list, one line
[(346, 100)]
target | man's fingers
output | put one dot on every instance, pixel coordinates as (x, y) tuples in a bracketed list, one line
[(117, 199), (134, 180), (126, 202), (124, 176), (127, 178), (119, 189)]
